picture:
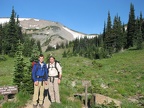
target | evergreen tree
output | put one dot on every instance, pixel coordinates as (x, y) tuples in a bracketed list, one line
[(108, 36), (96, 41), (139, 40), (50, 48), (10, 33), (27, 85), (64, 54), (138, 34), (12, 40), (100, 40), (19, 67), (131, 27), (27, 46), (75, 47), (142, 29), (35, 53), (58, 46), (104, 36), (62, 45), (117, 34), (4, 39), (27, 79), (67, 44), (39, 46), (1, 38), (142, 25), (124, 35), (19, 34)]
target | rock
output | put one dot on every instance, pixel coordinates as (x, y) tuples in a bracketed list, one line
[(104, 86), (73, 83), (101, 99)]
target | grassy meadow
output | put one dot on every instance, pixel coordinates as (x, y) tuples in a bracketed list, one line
[(120, 77)]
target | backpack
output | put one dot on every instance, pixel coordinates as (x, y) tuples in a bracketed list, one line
[(33, 63), (55, 66)]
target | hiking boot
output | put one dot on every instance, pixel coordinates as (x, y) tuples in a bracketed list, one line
[(34, 106), (41, 106)]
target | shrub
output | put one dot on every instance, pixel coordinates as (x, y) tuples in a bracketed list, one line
[(3, 58)]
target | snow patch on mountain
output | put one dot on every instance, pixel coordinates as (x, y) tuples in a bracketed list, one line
[(5, 20), (75, 34), (78, 35)]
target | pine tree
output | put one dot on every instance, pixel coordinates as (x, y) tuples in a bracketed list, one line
[(108, 36), (76, 46), (58, 46), (131, 27), (124, 38), (27, 47), (35, 53), (5, 39), (1, 38), (117, 34), (12, 40), (138, 34), (19, 34), (19, 67), (39, 46), (27, 85), (142, 25), (64, 54), (100, 40), (104, 36), (139, 40)]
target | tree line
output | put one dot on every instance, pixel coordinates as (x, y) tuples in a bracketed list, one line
[(11, 34), (115, 38)]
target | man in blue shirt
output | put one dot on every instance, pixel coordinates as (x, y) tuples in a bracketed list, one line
[(39, 75)]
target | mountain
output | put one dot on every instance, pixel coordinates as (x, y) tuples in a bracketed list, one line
[(48, 32)]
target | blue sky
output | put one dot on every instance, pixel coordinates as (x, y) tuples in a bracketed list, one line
[(85, 16)]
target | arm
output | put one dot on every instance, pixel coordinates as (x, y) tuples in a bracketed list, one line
[(60, 72), (34, 74), (46, 73)]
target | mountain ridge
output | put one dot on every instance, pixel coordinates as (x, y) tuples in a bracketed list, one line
[(45, 30)]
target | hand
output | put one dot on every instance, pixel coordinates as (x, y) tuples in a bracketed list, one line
[(46, 82), (36, 83), (59, 81)]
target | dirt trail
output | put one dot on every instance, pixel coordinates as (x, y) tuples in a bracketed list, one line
[(46, 103)]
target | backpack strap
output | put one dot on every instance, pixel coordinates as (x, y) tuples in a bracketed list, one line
[(56, 67), (48, 66), (45, 71)]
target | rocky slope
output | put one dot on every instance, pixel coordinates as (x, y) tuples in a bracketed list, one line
[(48, 32)]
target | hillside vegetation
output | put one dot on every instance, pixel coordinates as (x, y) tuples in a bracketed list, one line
[(120, 77)]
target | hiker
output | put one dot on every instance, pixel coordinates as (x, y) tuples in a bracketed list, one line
[(54, 79), (40, 76)]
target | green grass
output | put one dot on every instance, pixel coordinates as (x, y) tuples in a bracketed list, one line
[(21, 99), (123, 74), (6, 71)]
